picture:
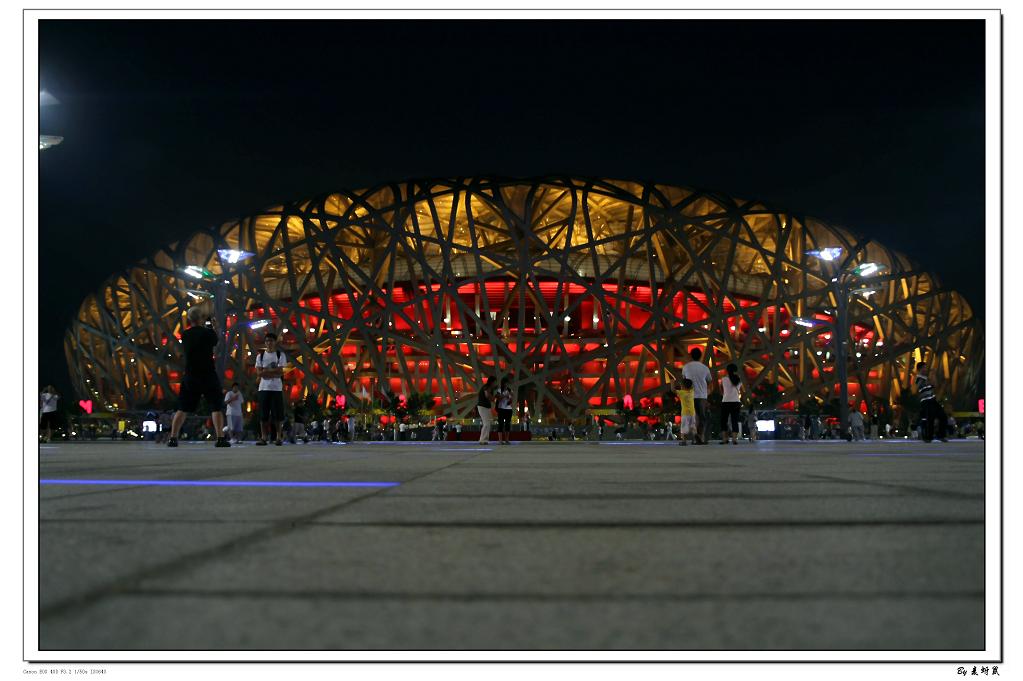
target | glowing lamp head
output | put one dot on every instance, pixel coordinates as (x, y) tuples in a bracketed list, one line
[(867, 269), (233, 255), (259, 323), (49, 141), (196, 272), (827, 254), (803, 321)]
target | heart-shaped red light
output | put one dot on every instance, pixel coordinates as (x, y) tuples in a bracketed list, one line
[(86, 405)]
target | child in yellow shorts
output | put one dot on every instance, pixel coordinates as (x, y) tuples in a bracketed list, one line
[(687, 428)]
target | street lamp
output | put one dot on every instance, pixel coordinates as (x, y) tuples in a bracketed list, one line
[(48, 141), (843, 284), (228, 256)]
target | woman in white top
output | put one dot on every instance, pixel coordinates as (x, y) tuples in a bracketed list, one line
[(731, 387)]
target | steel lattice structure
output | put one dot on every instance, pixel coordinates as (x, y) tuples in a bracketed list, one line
[(580, 290)]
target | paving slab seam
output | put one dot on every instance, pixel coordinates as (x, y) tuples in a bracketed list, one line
[(645, 497), (547, 597), (696, 524), (146, 521), (923, 491), (277, 529), (95, 469)]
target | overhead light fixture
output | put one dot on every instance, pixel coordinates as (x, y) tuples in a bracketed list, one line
[(196, 272), (827, 254), (803, 321), (867, 291), (868, 268), (258, 323), (49, 141), (233, 255)]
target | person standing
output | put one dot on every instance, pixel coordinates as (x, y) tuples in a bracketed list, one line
[(856, 424), (504, 412), (164, 425), (233, 399), (270, 365), (697, 372), (751, 426), (929, 407), (298, 429), (484, 405), (48, 411), (731, 387), (199, 341), (687, 424)]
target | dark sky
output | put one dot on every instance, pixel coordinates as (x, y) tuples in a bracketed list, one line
[(172, 126)]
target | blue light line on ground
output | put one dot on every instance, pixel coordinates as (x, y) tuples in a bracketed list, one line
[(216, 483)]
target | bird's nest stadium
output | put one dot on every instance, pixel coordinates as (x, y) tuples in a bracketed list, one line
[(584, 292)]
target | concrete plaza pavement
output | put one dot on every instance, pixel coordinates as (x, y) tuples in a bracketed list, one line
[(565, 546)]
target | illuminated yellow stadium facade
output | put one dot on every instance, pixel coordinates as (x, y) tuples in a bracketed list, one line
[(581, 291)]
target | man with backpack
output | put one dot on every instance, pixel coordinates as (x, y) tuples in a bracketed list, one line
[(270, 370)]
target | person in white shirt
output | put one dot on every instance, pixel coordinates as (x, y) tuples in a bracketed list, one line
[(697, 372), (233, 399), (731, 387), (48, 411), (270, 368)]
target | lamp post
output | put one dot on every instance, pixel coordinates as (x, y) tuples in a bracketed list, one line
[(228, 256), (841, 288)]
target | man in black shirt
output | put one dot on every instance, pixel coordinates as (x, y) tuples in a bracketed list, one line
[(929, 407), (200, 378)]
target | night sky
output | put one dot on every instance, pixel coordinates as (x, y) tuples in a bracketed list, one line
[(173, 126)]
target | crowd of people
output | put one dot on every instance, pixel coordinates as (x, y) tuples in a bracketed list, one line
[(495, 397)]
